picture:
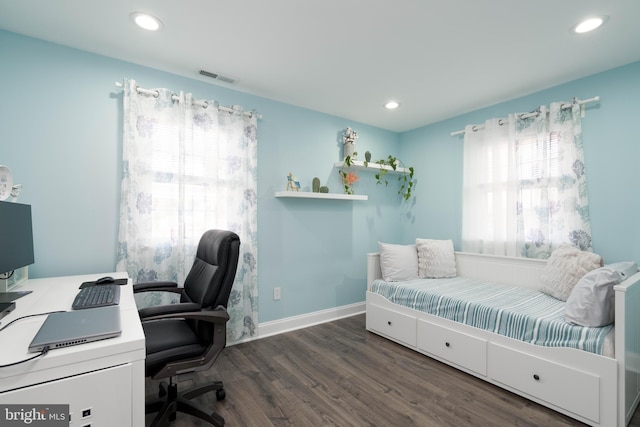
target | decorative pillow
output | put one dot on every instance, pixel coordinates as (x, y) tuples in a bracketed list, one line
[(398, 262), (592, 301), (564, 268), (436, 258)]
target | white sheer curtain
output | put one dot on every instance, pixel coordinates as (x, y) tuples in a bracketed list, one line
[(187, 168), (524, 186)]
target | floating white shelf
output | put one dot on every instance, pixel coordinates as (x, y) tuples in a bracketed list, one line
[(357, 164), (309, 195)]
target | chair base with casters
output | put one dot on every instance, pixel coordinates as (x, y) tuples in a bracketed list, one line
[(171, 401), (163, 347)]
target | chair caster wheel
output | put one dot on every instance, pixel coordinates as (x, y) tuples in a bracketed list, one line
[(221, 394)]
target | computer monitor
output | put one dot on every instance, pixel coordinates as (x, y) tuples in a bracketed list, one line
[(16, 236)]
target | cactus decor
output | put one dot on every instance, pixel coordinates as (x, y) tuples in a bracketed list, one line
[(324, 189), (316, 185)]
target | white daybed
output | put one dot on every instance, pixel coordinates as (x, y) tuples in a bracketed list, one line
[(594, 389)]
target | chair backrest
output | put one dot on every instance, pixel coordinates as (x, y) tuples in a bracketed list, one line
[(211, 277)]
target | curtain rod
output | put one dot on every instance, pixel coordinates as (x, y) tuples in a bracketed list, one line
[(533, 114), (203, 104)]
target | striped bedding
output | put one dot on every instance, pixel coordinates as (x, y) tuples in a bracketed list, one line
[(520, 313)]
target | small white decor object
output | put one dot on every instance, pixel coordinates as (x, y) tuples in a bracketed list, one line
[(349, 141), (6, 182)]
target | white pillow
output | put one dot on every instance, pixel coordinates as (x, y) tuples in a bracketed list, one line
[(398, 262), (564, 268), (436, 258), (592, 301)]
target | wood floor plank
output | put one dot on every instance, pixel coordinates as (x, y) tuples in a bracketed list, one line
[(338, 374)]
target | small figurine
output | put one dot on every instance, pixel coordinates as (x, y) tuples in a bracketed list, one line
[(292, 183)]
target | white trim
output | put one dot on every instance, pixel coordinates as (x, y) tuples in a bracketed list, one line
[(311, 195), (289, 324)]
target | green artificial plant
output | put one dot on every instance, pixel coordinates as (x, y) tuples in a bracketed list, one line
[(406, 176)]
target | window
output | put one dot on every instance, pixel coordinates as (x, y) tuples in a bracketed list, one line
[(524, 185)]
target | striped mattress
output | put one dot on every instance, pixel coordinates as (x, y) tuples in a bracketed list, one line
[(520, 313)]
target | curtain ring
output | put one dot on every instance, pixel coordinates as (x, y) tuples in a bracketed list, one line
[(474, 128), (500, 122), (205, 104)]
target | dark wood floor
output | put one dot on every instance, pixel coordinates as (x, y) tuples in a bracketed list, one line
[(338, 374)]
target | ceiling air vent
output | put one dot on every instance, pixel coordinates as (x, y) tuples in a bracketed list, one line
[(218, 77)]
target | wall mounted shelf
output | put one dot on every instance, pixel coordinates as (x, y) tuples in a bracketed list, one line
[(309, 195), (357, 164)]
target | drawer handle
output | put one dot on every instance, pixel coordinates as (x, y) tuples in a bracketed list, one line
[(447, 344), (536, 377), (389, 322)]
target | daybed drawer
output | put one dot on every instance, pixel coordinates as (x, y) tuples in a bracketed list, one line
[(458, 348), (571, 389), (395, 325)]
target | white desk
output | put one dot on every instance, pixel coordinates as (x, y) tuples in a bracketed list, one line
[(105, 376)]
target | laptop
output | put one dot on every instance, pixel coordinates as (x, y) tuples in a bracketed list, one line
[(69, 328)]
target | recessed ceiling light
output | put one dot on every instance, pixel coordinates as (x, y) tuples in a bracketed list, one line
[(589, 24), (391, 105), (146, 21)]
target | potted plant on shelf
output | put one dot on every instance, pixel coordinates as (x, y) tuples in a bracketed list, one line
[(406, 176)]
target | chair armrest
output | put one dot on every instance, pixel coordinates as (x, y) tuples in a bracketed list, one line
[(217, 316), (163, 310), (157, 286)]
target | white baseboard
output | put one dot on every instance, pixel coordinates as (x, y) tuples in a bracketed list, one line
[(288, 324)]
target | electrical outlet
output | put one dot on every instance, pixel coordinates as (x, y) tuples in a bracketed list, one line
[(276, 294)]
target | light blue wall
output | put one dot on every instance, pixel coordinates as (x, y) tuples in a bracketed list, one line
[(612, 150), (60, 125), (60, 122)]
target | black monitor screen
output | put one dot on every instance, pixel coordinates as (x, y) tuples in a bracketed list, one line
[(16, 236)]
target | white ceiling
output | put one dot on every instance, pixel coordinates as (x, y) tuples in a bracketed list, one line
[(438, 58)]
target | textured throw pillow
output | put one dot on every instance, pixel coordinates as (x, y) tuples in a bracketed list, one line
[(436, 258), (398, 262), (592, 301), (564, 268)]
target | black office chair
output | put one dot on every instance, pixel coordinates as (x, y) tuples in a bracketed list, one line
[(190, 335)]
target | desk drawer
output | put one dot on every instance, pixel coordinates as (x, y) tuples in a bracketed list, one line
[(107, 394), (392, 324), (571, 389), (456, 347)]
